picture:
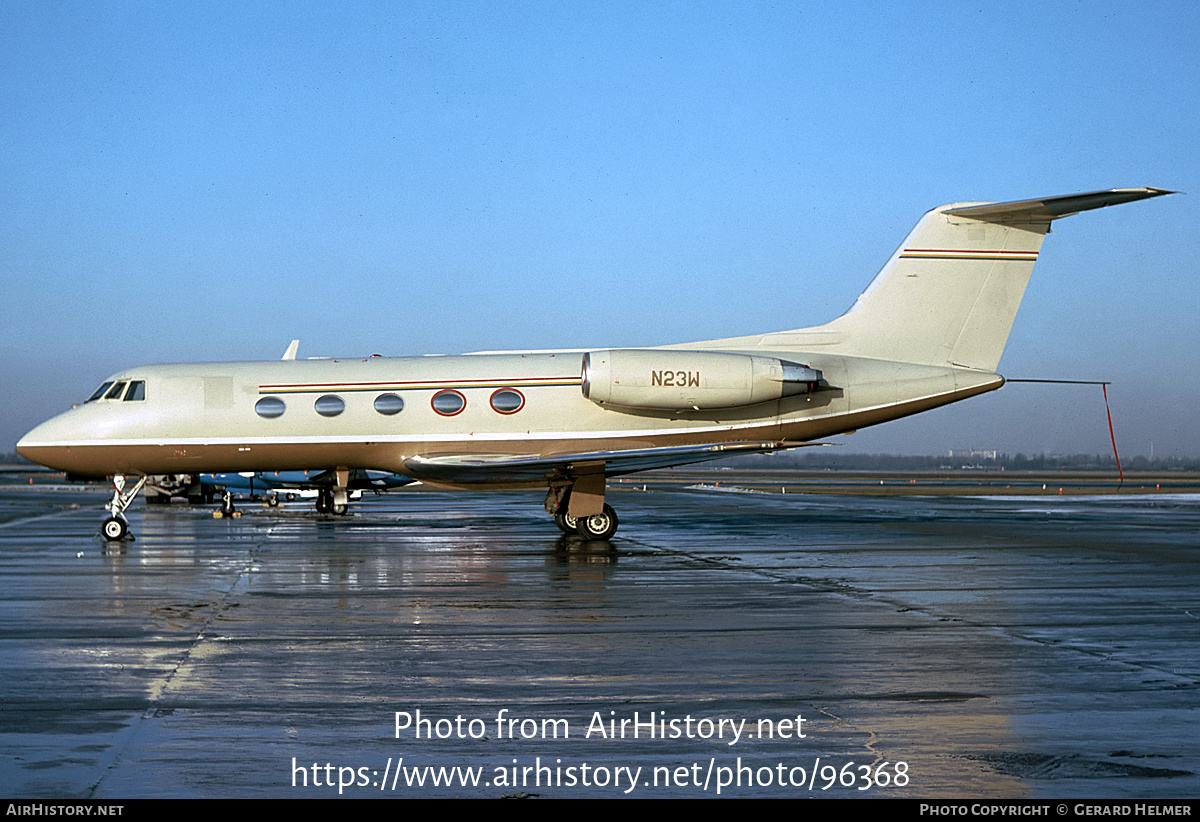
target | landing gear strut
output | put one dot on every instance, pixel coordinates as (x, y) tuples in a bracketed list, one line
[(115, 527)]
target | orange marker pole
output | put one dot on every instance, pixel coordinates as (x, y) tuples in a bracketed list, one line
[(1113, 437)]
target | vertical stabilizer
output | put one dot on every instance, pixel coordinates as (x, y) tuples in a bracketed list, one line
[(949, 294)]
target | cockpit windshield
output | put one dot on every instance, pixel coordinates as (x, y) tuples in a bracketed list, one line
[(114, 390), (100, 392)]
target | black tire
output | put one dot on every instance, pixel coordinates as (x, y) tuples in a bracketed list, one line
[(566, 523), (338, 508), (598, 526), (114, 529), (227, 506), (324, 502)]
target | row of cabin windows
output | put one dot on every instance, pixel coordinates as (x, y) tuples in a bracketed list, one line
[(447, 403), (135, 392)]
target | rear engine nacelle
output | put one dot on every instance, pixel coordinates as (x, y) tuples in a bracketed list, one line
[(683, 380)]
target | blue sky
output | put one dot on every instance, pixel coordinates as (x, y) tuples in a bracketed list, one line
[(209, 181)]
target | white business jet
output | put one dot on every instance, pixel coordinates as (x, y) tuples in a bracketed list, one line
[(928, 331)]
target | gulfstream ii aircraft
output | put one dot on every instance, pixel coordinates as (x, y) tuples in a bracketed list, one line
[(929, 330)]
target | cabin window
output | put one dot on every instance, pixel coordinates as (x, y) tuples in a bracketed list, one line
[(136, 392), (115, 391), (330, 405), (508, 401), (448, 402), (388, 404), (100, 392), (270, 407)]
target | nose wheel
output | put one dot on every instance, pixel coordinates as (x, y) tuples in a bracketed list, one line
[(114, 529)]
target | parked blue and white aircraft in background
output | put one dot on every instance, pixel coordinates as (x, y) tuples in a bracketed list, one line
[(269, 484)]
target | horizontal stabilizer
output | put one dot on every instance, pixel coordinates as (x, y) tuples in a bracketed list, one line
[(1051, 208)]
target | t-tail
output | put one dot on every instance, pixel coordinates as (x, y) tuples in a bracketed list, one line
[(949, 294)]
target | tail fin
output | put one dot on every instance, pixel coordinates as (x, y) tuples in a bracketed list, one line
[(949, 294)]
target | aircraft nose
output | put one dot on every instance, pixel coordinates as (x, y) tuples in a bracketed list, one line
[(30, 441), (45, 445)]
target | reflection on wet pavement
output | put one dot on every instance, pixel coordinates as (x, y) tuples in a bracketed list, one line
[(996, 647)]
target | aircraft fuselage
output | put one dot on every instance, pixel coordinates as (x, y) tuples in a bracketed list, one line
[(202, 417)]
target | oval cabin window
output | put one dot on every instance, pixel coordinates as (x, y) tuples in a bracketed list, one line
[(389, 404), (508, 401), (448, 402), (270, 407), (329, 405)]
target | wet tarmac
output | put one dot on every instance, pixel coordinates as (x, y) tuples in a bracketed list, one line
[(758, 644)]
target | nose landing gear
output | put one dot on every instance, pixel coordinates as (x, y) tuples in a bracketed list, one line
[(115, 527)]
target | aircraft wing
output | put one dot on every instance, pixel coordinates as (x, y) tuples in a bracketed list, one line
[(508, 468)]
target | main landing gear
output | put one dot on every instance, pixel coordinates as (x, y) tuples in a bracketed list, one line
[(601, 525), (115, 527), (333, 501)]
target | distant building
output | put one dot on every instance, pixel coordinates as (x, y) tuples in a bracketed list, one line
[(963, 454)]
